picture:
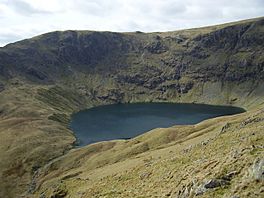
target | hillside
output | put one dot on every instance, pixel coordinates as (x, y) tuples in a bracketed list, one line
[(43, 80)]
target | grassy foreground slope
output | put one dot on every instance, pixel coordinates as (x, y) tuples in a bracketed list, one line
[(45, 79)]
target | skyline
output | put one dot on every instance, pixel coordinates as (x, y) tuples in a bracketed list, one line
[(21, 19)]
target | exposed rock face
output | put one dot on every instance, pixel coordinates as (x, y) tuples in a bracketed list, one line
[(239, 45), (257, 170), (112, 95), (233, 53), (35, 74), (227, 38), (156, 47), (194, 188), (214, 183)]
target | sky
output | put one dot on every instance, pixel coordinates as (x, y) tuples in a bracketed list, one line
[(20, 19)]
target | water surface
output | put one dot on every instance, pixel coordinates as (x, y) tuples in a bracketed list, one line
[(122, 121)]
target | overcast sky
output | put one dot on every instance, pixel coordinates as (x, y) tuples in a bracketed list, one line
[(21, 19)]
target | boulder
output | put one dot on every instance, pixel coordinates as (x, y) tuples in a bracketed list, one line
[(257, 170), (214, 183)]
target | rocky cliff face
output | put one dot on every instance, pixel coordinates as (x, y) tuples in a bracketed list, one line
[(161, 62), (46, 78), (232, 53)]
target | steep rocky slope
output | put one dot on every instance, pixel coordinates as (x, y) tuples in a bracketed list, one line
[(45, 79)]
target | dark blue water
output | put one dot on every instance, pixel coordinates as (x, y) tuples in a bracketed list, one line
[(122, 121)]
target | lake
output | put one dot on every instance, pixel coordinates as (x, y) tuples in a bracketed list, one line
[(123, 121)]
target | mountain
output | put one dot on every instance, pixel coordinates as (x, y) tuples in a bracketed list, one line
[(43, 80)]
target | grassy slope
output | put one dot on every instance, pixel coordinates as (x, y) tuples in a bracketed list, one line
[(34, 131), (164, 162)]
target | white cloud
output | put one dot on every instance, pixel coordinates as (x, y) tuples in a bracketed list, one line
[(26, 18)]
